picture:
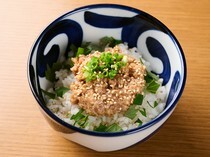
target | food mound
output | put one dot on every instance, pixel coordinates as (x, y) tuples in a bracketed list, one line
[(107, 82), (104, 87)]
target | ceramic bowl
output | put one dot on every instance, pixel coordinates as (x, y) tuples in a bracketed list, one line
[(89, 23)]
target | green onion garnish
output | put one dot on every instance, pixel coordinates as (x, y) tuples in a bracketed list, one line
[(105, 66), (139, 122), (82, 121), (80, 51), (143, 112), (151, 82), (73, 48), (155, 104), (101, 128), (131, 112), (80, 118), (153, 86), (50, 95), (138, 99), (71, 63), (150, 74), (113, 128), (58, 92), (61, 91), (50, 72), (109, 41)]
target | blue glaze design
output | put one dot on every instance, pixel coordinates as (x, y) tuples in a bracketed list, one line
[(140, 24), (156, 50), (173, 88), (104, 21), (74, 32), (132, 27)]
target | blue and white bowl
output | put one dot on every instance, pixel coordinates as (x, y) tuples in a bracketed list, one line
[(139, 29)]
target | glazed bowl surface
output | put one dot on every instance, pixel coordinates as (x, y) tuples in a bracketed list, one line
[(90, 23)]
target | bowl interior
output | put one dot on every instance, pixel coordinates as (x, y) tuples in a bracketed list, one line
[(156, 42)]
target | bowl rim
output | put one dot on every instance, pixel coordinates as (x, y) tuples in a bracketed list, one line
[(166, 111)]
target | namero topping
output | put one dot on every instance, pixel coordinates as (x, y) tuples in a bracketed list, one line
[(108, 90)]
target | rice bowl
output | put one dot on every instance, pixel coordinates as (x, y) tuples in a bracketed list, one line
[(153, 39)]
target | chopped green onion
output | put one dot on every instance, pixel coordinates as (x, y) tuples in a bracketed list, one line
[(141, 61), (155, 104), (112, 74), (105, 73), (86, 74), (71, 63), (138, 99), (73, 48), (113, 128), (61, 91), (149, 104), (152, 75), (131, 112), (148, 79), (105, 66), (67, 64), (50, 72), (143, 112), (125, 59), (101, 128), (151, 82), (78, 116), (80, 51), (139, 121), (109, 41), (153, 87), (87, 47), (117, 57), (50, 95), (58, 92), (80, 119)]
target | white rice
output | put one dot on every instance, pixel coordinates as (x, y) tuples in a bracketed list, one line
[(63, 109)]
